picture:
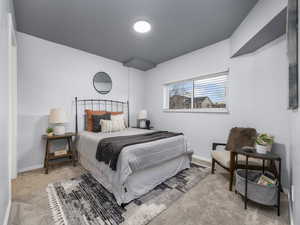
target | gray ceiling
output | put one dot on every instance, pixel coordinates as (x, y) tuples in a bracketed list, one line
[(104, 27)]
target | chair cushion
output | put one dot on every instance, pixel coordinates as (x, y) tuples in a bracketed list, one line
[(223, 157)]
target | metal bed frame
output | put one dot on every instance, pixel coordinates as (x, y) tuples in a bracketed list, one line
[(107, 105)]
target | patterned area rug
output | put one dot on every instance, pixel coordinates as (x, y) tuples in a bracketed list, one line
[(84, 201)]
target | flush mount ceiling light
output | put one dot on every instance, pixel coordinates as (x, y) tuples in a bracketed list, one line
[(142, 26)]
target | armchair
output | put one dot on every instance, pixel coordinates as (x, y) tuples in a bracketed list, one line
[(238, 138)]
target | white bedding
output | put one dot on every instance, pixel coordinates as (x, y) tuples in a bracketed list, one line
[(125, 183)]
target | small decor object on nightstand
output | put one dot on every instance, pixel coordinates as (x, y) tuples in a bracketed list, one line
[(58, 117), (148, 124), (49, 131), (264, 143), (142, 117)]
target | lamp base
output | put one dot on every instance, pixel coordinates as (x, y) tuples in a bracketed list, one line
[(142, 124), (59, 130)]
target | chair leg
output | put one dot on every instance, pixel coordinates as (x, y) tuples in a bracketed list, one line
[(231, 179), (213, 166)]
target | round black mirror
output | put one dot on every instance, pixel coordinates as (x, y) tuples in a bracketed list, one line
[(102, 83)]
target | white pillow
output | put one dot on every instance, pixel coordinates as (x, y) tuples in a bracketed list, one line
[(118, 121), (108, 126)]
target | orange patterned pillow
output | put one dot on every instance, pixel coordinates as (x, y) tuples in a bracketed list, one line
[(116, 113), (89, 118)]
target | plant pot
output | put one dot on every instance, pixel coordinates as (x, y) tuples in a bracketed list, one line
[(263, 149), (50, 134)]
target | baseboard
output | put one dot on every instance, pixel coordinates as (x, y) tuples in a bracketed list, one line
[(291, 213), (31, 168), (197, 159), (6, 217)]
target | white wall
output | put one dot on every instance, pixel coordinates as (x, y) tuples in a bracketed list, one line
[(5, 8), (262, 13), (295, 160), (51, 75), (257, 95), (295, 150)]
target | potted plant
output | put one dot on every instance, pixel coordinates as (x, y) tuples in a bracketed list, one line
[(264, 143), (49, 131)]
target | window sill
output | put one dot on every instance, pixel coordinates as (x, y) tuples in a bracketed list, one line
[(224, 111)]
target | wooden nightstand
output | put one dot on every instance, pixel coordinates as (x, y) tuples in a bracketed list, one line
[(51, 158)]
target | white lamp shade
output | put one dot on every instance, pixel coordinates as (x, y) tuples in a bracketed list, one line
[(142, 115), (57, 115)]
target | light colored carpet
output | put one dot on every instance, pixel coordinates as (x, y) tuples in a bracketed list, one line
[(83, 200), (209, 203)]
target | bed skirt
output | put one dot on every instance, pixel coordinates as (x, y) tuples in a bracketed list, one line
[(138, 183)]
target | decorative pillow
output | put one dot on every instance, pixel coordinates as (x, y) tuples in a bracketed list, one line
[(108, 126), (89, 119), (116, 113), (96, 121), (119, 121)]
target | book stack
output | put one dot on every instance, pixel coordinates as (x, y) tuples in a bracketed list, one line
[(60, 152), (266, 181)]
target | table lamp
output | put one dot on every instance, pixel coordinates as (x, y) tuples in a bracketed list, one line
[(142, 117), (58, 117)]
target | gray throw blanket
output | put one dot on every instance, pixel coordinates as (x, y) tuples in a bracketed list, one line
[(109, 149)]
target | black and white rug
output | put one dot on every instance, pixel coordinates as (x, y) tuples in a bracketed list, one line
[(84, 201)]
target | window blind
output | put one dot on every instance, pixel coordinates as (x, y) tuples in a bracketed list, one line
[(210, 92), (199, 93)]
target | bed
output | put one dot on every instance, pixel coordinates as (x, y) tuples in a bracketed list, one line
[(157, 161)]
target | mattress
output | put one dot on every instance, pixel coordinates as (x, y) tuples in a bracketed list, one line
[(124, 183)]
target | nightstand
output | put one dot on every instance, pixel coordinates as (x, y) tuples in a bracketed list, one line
[(51, 158)]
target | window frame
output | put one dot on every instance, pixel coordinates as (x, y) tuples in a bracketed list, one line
[(196, 110)]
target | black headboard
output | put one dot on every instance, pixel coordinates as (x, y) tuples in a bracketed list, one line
[(101, 105)]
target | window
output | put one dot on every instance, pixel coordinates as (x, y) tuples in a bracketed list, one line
[(180, 95), (202, 94)]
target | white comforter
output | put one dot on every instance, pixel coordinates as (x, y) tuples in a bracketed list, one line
[(132, 159)]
